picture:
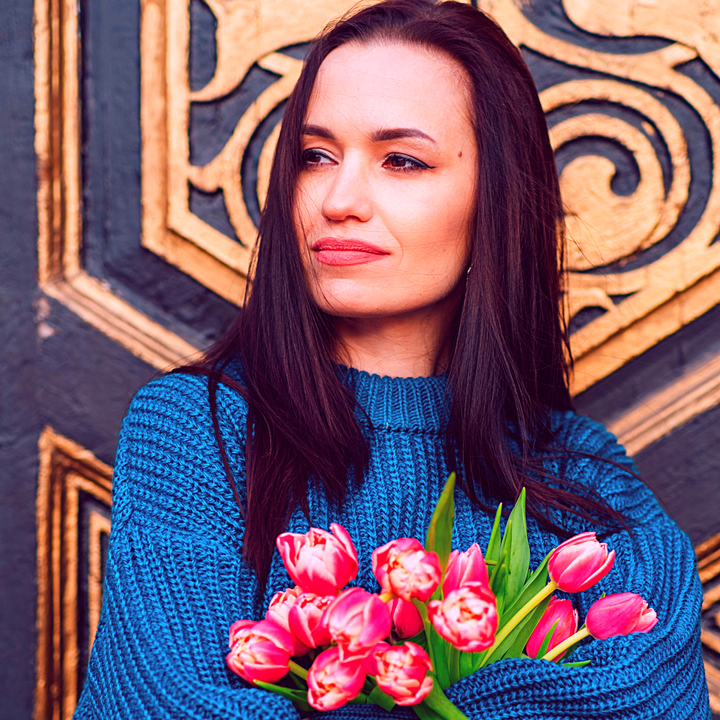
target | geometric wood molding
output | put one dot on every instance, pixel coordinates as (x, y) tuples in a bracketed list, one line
[(708, 558), (57, 145), (695, 392), (73, 524)]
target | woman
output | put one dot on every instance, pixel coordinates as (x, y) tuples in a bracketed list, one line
[(404, 322)]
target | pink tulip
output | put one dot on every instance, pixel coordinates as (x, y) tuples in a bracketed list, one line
[(357, 621), (306, 617), (580, 562), (318, 561), (279, 610), (405, 618), (465, 567), (259, 650), (619, 614), (560, 612), (467, 618), (332, 682), (403, 568), (401, 671)]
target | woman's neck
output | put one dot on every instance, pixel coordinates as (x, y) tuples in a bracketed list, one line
[(409, 345)]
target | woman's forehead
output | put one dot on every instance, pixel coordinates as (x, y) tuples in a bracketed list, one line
[(389, 84)]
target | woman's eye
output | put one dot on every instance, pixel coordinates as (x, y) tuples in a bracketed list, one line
[(398, 161), (315, 158)]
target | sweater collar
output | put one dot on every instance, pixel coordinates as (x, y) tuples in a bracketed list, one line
[(402, 404)]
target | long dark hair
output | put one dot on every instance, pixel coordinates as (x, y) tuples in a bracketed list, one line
[(509, 360)]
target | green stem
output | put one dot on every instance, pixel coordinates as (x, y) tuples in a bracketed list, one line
[(425, 713), (529, 606), (454, 664), (298, 670), (437, 701), (422, 609), (583, 632)]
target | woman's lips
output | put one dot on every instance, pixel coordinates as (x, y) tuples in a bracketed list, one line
[(331, 251)]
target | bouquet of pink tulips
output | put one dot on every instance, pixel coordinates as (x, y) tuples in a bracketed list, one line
[(441, 615)]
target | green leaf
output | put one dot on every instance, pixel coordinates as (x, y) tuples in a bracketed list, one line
[(440, 654), (582, 663), (535, 583), (514, 644), (470, 662), (436, 647), (297, 697), (497, 576), (548, 638), (439, 534), (382, 699), (426, 713), (492, 554), (300, 684), (518, 559), (437, 701), (419, 639)]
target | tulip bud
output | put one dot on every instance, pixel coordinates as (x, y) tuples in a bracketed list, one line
[(401, 671), (579, 563), (306, 619), (332, 682), (357, 621), (403, 568), (467, 618), (259, 650), (619, 614), (318, 561), (279, 610), (560, 612), (405, 618), (465, 567)]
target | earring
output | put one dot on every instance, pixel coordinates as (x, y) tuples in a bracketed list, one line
[(469, 269)]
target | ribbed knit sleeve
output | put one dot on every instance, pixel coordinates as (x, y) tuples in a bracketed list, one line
[(174, 580), (653, 676), (641, 676)]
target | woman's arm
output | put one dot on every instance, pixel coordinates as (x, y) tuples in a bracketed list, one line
[(655, 675), (175, 580), (658, 675)]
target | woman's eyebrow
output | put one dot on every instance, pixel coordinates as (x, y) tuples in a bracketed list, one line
[(317, 131), (399, 133), (376, 136)]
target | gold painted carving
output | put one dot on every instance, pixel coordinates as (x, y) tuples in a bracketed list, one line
[(659, 298), (248, 32), (57, 145), (708, 559), (603, 228), (67, 471)]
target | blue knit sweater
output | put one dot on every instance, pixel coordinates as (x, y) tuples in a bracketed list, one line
[(175, 579)]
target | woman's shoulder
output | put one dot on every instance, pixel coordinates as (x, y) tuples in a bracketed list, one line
[(579, 433), (591, 455), (181, 396), (168, 461)]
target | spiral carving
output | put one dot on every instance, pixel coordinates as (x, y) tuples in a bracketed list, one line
[(634, 251)]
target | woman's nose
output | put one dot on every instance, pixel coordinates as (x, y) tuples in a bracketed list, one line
[(348, 193)]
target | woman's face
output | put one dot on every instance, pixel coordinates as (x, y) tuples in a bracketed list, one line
[(385, 196)]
